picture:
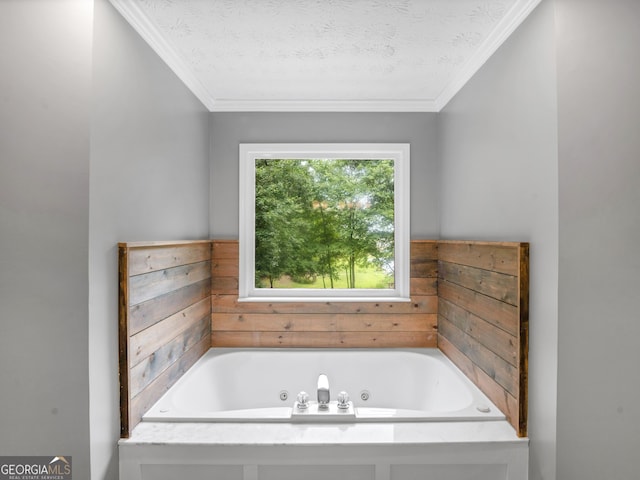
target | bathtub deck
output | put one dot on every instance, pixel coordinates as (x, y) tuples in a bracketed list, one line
[(381, 451), (178, 433)]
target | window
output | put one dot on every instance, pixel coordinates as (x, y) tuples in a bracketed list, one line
[(324, 222)]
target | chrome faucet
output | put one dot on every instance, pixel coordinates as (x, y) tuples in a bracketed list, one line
[(323, 391)]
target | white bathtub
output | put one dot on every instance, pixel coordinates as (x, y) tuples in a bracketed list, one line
[(261, 385), (225, 419)]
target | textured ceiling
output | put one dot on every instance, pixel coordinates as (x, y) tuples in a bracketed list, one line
[(325, 55)]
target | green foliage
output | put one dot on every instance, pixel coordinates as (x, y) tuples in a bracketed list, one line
[(317, 220)]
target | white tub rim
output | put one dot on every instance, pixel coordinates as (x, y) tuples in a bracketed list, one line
[(165, 410)]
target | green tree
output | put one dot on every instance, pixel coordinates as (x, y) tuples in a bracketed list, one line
[(321, 217), (364, 214), (282, 203)]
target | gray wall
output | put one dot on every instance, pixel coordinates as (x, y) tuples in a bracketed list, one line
[(498, 148), (45, 53), (599, 271), (230, 129), (149, 181)]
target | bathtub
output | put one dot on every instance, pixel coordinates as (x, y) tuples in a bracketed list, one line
[(411, 415), (265, 385)]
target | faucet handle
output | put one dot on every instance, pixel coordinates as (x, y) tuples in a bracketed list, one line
[(343, 400), (302, 400)]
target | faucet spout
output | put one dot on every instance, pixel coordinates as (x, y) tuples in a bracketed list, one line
[(323, 390)]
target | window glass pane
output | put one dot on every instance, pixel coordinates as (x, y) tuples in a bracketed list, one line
[(324, 223)]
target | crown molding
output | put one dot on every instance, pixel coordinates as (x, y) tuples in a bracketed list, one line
[(507, 25), (150, 33), (224, 105)]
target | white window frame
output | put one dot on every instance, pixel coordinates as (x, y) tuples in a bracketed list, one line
[(398, 152)]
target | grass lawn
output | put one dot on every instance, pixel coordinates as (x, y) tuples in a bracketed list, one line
[(367, 277)]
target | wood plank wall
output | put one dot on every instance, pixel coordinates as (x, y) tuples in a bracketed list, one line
[(483, 321), (165, 290), (324, 324), (470, 299)]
